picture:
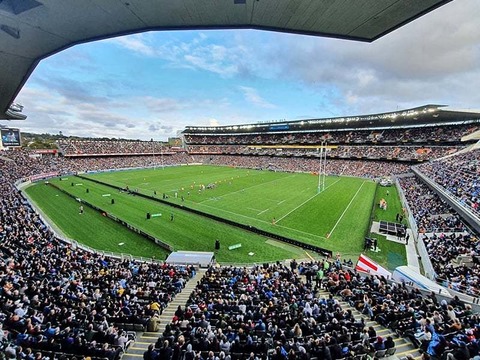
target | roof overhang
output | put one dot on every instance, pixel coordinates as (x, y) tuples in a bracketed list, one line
[(31, 30), (421, 116)]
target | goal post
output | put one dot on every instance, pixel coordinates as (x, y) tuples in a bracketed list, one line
[(322, 166)]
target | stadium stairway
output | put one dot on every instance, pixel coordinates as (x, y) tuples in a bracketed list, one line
[(404, 346), (136, 350), (144, 339)]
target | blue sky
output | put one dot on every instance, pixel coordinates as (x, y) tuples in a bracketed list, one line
[(152, 85)]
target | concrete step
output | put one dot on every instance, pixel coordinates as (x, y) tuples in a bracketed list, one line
[(414, 352), (404, 346), (136, 350)]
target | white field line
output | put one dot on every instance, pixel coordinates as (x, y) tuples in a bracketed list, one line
[(344, 211), (261, 212), (265, 222), (306, 201), (250, 187), (249, 208), (299, 206)]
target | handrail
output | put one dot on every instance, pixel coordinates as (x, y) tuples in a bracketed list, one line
[(470, 217), (420, 245)]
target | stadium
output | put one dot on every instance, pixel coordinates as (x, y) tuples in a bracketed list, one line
[(342, 237)]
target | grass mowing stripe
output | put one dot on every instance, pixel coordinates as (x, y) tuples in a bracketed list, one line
[(247, 188), (237, 205), (98, 182), (306, 201), (187, 231), (90, 228), (348, 206), (320, 237), (298, 207), (320, 215), (306, 219), (265, 222), (309, 223)]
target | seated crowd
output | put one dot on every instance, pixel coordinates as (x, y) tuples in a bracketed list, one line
[(271, 312), (48, 163), (438, 327), (103, 147), (459, 175), (410, 153), (430, 212), (267, 311), (431, 215), (427, 134), (26, 164), (55, 298), (368, 169), (445, 237), (444, 249), (405, 137)]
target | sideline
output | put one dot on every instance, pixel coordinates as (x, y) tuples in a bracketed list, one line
[(266, 222), (243, 189), (344, 211), (306, 201)]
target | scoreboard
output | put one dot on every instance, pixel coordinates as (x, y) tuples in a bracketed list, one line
[(10, 137)]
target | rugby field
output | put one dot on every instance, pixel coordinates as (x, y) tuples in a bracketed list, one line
[(287, 204)]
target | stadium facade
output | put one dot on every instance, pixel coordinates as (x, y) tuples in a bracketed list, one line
[(422, 116)]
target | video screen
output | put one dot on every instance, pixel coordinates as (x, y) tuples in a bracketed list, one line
[(10, 137)]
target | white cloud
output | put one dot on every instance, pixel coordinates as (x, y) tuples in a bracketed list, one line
[(207, 62), (159, 105), (136, 43), (200, 53), (434, 59), (135, 117), (251, 95), (213, 122)]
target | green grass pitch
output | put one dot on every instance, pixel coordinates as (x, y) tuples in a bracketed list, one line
[(287, 204), (90, 228)]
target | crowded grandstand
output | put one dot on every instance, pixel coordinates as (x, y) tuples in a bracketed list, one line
[(60, 300)]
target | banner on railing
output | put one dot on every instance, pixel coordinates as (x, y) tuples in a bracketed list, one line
[(43, 176), (369, 266)]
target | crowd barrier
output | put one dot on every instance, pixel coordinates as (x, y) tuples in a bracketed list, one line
[(469, 216), (428, 270), (20, 185), (114, 218)]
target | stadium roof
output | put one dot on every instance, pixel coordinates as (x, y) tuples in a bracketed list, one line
[(426, 115), (31, 30)]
